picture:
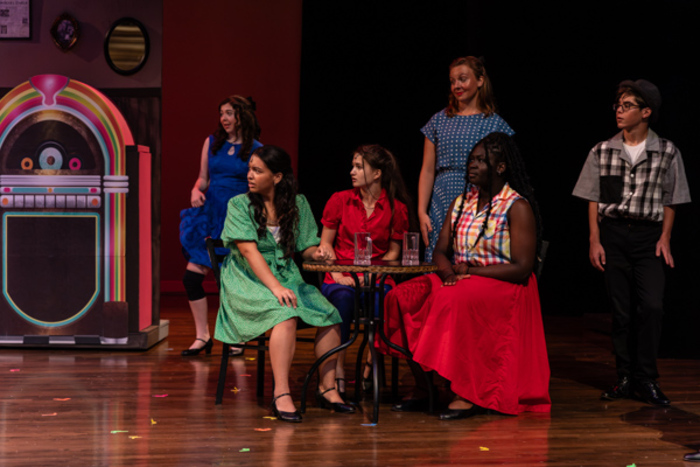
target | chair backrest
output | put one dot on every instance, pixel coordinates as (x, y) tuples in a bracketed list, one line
[(215, 258)]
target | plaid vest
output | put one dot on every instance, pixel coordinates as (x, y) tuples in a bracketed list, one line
[(494, 245)]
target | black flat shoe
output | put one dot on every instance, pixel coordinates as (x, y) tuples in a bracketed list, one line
[(456, 414), (411, 405), (650, 392), (290, 417), (692, 457), (334, 406), (620, 390), (192, 352)]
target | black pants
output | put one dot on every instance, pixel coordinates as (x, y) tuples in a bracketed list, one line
[(635, 279)]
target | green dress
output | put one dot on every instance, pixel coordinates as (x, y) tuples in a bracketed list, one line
[(248, 308)]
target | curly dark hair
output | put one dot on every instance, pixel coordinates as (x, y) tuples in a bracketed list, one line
[(247, 127), (278, 161), (485, 97), (504, 149)]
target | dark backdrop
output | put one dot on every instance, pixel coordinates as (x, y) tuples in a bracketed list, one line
[(375, 73)]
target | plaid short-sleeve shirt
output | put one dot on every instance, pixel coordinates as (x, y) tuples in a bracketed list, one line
[(494, 245), (638, 191)]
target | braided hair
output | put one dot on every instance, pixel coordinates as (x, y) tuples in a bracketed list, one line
[(247, 127), (485, 96), (278, 161), (504, 150), (380, 158)]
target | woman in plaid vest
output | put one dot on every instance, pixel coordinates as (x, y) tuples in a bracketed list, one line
[(477, 321)]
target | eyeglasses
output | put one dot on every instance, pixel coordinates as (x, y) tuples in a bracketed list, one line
[(625, 106)]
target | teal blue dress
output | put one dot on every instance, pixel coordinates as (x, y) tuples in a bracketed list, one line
[(248, 308)]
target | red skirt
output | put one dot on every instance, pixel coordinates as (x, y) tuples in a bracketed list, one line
[(483, 335)]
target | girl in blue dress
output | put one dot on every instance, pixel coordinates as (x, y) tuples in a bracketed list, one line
[(450, 136), (222, 175)]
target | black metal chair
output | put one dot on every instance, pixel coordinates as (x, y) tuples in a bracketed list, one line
[(259, 344)]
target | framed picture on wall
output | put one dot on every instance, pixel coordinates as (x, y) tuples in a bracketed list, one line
[(65, 32), (15, 19)]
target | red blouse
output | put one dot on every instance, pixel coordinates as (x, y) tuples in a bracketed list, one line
[(346, 214)]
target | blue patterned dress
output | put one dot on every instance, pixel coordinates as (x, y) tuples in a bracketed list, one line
[(454, 138), (228, 177)]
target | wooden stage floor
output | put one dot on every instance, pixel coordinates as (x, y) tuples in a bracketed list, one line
[(156, 408)]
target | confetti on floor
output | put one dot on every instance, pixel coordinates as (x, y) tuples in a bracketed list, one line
[(49, 414), (134, 437), (263, 429), (14, 370), (114, 432), (245, 450), (153, 422), (235, 390), (271, 418), (369, 424), (482, 448), (61, 399), (160, 395)]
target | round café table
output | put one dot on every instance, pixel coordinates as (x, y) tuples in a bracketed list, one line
[(374, 276)]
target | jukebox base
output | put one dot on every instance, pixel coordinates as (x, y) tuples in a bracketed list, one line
[(142, 340)]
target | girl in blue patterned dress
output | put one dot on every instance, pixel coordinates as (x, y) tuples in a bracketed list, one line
[(222, 175), (450, 136)]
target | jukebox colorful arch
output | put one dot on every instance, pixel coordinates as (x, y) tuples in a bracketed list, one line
[(76, 228)]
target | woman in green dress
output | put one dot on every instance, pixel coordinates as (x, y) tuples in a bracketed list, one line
[(261, 287)]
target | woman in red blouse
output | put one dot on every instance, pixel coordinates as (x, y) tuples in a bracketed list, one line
[(376, 204)]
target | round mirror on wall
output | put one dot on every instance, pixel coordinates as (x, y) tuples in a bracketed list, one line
[(127, 46)]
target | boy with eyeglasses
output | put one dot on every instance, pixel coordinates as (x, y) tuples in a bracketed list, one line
[(633, 183)]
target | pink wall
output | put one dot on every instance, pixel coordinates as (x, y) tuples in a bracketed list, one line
[(251, 48)]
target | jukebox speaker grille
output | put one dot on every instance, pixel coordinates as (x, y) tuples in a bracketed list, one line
[(44, 256)]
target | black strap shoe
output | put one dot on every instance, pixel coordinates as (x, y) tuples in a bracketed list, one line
[(649, 392), (290, 417), (192, 352), (692, 457), (337, 407), (621, 390)]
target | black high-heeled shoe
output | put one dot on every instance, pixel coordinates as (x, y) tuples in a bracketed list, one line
[(335, 406), (290, 417), (206, 347), (337, 385)]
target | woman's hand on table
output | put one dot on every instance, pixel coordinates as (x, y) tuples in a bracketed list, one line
[(322, 254), (285, 296)]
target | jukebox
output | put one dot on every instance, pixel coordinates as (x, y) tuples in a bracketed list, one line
[(75, 201)]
